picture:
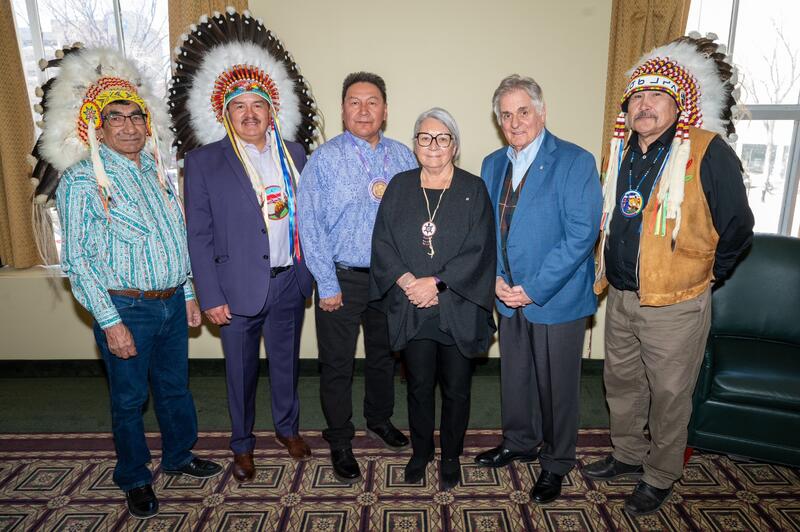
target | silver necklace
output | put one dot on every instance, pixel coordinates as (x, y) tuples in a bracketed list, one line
[(429, 228)]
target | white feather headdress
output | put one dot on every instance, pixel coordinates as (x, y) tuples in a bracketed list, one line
[(61, 142), (697, 74), (227, 47), (205, 121), (71, 103)]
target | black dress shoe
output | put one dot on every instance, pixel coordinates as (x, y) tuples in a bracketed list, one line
[(500, 457), (646, 499), (450, 469), (392, 438), (610, 468), (197, 468), (547, 487), (142, 502), (415, 468), (345, 467)]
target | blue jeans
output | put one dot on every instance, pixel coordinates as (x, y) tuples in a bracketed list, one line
[(161, 337)]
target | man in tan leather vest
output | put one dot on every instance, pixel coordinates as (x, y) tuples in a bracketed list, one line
[(675, 220)]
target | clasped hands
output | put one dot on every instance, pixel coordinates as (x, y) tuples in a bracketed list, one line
[(421, 292), (511, 296)]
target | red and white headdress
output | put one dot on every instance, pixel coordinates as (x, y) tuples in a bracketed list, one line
[(696, 73), (227, 55), (71, 104)]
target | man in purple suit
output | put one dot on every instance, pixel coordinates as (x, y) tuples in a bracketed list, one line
[(246, 258)]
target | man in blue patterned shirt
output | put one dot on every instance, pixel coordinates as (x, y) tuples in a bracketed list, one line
[(125, 254), (340, 191)]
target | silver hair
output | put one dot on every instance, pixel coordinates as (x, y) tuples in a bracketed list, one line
[(445, 118), (517, 82)]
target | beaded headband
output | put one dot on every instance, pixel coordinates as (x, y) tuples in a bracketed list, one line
[(241, 79), (101, 93)]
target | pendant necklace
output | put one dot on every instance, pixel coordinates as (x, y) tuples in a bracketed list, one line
[(429, 228), (377, 183), (631, 203)]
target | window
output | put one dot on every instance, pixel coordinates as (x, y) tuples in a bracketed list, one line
[(138, 28), (765, 46), (753, 157)]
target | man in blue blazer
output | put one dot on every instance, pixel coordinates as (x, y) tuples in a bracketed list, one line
[(248, 269), (547, 199)]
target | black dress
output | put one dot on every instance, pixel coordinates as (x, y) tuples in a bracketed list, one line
[(437, 342), (465, 259)]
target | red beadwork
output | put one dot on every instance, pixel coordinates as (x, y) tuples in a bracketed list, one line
[(687, 100), (242, 76)]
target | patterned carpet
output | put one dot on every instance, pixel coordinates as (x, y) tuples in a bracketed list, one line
[(63, 482)]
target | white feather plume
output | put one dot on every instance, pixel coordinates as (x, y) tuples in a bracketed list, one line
[(219, 59), (61, 145), (713, 95)]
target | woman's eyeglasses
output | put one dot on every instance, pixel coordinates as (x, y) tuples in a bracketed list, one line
[(443, 140)]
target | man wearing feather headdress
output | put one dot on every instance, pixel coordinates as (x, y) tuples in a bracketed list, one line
[(675, 220), (125, 254), (241, 101)]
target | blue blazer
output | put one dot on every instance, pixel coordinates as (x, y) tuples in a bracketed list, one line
[(553, 230), (227, 236)]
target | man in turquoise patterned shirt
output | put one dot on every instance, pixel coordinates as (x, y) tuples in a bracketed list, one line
[(125, 253)]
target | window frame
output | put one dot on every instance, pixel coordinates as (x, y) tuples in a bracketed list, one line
[(783, 112), (32, 7)]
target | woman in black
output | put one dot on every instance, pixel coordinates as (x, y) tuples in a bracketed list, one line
[(433, 273)]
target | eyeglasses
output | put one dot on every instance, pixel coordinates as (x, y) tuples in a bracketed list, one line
[(443, 140), (118, 119)]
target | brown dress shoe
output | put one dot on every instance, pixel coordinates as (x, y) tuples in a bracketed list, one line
[(298, 448), (244, 469)]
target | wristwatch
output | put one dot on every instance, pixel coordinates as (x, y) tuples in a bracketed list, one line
[(441, 286)]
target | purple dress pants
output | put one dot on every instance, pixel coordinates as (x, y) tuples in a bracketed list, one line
[(279, 322)]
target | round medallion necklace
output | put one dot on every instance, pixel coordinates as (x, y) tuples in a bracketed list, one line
[(377, 183), (632, 202)]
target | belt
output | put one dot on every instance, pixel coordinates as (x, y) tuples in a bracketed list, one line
[(358, 269), (145, 294), (274, 272)]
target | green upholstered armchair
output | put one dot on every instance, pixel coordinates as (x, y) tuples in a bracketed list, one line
[(747, 400)]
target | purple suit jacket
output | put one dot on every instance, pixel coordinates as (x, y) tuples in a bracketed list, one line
[(228, 242)]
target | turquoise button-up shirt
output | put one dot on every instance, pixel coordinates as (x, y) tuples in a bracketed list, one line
[(139, 243)]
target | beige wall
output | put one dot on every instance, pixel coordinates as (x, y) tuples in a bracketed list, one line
[(453, 53), (448, 53), (41, 320)]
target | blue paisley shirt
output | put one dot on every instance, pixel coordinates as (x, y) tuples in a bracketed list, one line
[(139, 243), (340, 191)]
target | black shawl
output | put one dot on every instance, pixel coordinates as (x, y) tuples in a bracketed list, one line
[(465, 258)]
